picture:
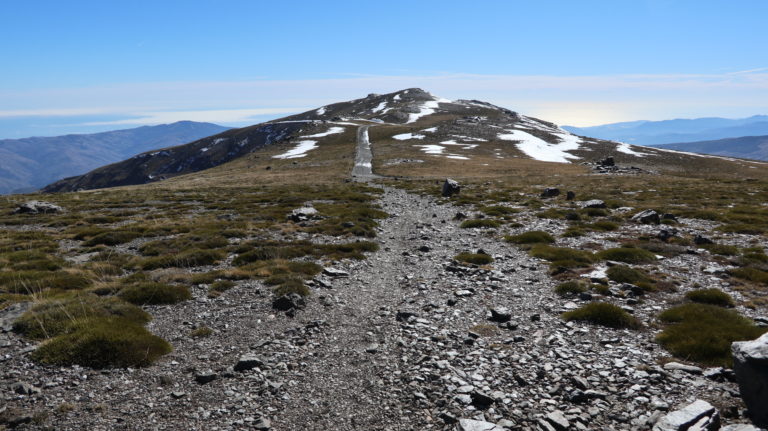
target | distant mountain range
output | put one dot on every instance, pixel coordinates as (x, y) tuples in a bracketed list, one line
[(748, 147), (653, 133), (30, 163)]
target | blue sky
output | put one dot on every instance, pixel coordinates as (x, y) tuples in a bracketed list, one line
[(83, 66)]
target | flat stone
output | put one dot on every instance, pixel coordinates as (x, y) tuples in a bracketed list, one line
[(248, 361), (699, 415), (558, 420), (473, 425), (676, 366)]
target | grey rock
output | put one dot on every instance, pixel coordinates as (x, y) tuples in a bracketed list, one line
[(558, 420), (699, 415), (750, 363), (740, 427), (23, 388), (450, 188), (11, 313), (701, 240), (569, 196), (303, 214), (501, 315), (647, 217), (550, 192), (248, 361), (473, 425), (481, 400), (676, 366), (594, 203), (178, 394), (291, 301), (38, 207), (205, 377), (334, 272), (262, 424)]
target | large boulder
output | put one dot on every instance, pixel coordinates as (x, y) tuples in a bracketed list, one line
[(697, 416), (647, 217), (38, 207), (594, 203), (288, 302), (750, 363), (303, 214), (451, 187), (550, 192)]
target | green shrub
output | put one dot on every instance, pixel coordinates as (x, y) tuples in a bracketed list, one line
[(474, 258), (185, 259), (710, 296), (54, 317), (480, 223), (149, 293), (595, 212), (574, 232), (721, 249), (200, 332), (32, 281), (627, 255), (112, 238), (703, 333), (562, 256), (625, 274), (570, 288), (604, 225), (292, 285), (750, 274), (222, 286), (603, 314), (103, 343), (530, 237)]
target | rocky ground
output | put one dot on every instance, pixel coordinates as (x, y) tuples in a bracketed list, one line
[(405, 340)]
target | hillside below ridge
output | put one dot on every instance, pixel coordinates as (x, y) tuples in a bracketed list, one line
[(30, 163), (412, 133)]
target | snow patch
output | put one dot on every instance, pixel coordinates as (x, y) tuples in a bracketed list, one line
[(219, 140), (431, 149), (299, 150), (381, 107), (627, 149), (539, 149), (406, 136), (427, 108), (456, 156), (331, 131), (204, 149), (320, 111), (430, 130), (469, 138)]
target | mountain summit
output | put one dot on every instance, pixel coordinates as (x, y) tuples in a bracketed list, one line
[(411, 132)]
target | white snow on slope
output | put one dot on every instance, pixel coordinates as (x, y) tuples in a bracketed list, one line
[(456, 156), (431, 149), (539, 149), (406, 136), (331, 131), (320, 111), (427, 108), (470, 138), (380, 107), (299, 150), (627, 149), (430, 130)]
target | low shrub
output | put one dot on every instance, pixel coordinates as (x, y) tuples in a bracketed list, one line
[(474, 258), (604, 225), (603, 314), (112, 238), (103, 343), (497, 210), (185, 259), (221, 286), (627, 255), (285, 285), (721, 249), (54, 317), (149, 293), (200, 332), (703, 333), (530, 237), (750, 274), (570, 288), (710, 296), (483, 223), (625, 274)]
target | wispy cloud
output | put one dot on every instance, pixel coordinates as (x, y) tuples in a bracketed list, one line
[(580, 100)]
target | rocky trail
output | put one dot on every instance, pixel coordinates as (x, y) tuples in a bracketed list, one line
[(407, 339)]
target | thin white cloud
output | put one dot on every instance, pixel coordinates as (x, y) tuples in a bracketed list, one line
[(211, 116), (579, 100)]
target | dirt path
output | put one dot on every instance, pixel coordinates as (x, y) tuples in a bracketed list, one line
[(362, 170)]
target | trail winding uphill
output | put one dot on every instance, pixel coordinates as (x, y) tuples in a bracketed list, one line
[(363, 157)]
